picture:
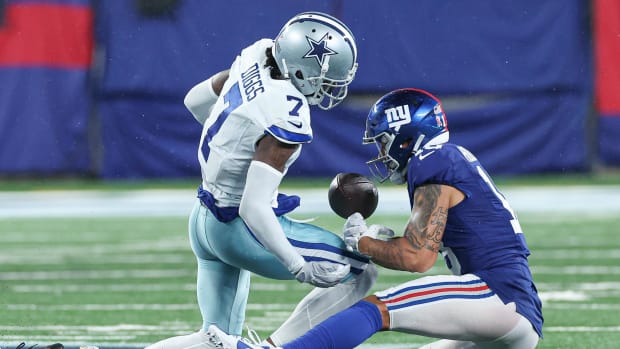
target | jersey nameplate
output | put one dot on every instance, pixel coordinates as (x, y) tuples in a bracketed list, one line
[(252, 84)]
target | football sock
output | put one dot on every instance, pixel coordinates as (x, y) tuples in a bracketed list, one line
[(347, 329), (321, 303)]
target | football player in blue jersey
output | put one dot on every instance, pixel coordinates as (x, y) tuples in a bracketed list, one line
[(256, 117), (490, 301)]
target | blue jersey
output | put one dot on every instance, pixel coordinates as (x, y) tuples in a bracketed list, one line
[(482, 235)]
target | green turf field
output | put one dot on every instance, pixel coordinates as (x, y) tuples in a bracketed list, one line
[(130, 281)]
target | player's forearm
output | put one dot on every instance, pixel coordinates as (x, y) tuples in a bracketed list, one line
[(417, 250), (266, 228), (392, 254), (255, 209)]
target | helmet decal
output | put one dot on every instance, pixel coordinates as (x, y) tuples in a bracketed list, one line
[(440, 117), (319, 49), (398, 116)]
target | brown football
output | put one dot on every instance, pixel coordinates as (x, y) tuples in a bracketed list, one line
[(352, 192)]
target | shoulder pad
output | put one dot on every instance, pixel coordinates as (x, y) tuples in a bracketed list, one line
[(286, 116)]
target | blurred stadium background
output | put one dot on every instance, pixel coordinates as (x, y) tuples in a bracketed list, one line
[(98, 153)]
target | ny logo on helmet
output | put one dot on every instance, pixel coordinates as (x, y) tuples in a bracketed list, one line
[(398, 116)]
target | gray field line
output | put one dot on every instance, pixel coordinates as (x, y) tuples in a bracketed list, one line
[(591, 200)]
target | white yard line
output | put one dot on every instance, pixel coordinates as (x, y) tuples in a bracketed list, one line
[(573, 254), (86, 257), (582, 329), (173, 273), (585, 200), (95, 274), (554, 300), (576, 270), (145, 307), (583, 306), (103, 329), (107, 288), (158, 287), (145, 246)]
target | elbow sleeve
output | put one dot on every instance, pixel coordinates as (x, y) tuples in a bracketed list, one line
[(200, 100)]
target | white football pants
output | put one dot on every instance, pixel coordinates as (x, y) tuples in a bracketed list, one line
[(460, 309)]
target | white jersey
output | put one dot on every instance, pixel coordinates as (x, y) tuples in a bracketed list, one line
[(250, 105)]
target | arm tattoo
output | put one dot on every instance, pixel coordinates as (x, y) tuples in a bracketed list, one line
[(428, 222), (423, 232)]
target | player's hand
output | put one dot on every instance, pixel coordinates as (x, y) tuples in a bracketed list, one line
[(322, 274), (355, 228)]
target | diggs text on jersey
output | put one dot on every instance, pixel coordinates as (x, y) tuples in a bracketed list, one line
[(252, 84)]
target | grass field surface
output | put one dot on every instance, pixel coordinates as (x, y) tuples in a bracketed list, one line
[(127, 281)]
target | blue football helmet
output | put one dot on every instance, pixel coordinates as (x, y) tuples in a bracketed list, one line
[(400, 124)]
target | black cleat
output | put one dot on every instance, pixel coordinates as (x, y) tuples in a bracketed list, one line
[(55, 346), (23, 345)]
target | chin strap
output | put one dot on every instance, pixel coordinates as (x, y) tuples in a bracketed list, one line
[(416, 146), (325, 67), (285, 69)]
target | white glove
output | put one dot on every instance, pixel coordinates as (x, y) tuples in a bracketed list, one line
[(355, 228), (322, 274)]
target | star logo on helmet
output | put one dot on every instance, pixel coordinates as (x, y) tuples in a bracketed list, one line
[(319, 49)]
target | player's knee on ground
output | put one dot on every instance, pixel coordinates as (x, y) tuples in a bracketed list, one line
[(385, 315)]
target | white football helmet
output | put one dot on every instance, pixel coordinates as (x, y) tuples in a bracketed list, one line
[(317, 53)]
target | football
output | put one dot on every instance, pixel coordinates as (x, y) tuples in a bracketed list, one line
[(351, 192)]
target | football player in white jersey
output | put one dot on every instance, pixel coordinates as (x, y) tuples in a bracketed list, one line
[(490, 301), (256, 118)]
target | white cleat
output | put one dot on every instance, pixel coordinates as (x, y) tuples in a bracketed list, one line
[(197, 340), (221, 340)]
